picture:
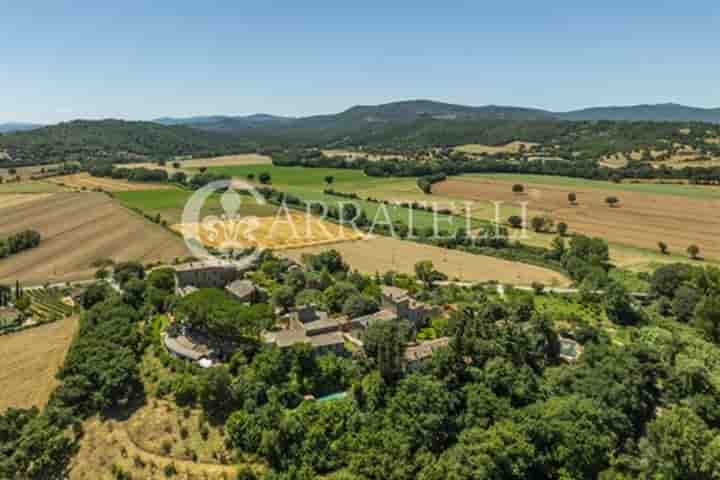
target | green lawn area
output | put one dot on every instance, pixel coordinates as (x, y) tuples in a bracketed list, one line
[(694, 191), (169, 203)]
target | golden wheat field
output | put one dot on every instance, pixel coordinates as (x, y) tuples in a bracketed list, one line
[(294, 230)]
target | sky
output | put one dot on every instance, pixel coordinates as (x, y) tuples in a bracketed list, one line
[(62, 60)]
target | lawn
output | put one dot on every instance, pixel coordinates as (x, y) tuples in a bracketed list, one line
[(693, 191)]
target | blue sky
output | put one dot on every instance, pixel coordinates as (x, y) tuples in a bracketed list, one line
[(143, 59)]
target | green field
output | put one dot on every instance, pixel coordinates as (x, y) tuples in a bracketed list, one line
[(693, 191), (308, 184), (169, 204)]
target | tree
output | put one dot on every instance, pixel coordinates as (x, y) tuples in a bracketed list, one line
[(518, 188), (283, 297), (667, 278), (612, 201), (329, 179), (22, 303), (176, 164), (94, 294), (215, 393), (679, 445), (663, 247), (707, 317), (127, 270), (572, 434), (562, 229), (359, 305), (515, 221), (265, 178), (541, 224), (618, 305), (572, 198), (250, 176), (684, 303), (501, 452), (216, 313), (426, 273), (337, 295), (384, 344), (693, 251)]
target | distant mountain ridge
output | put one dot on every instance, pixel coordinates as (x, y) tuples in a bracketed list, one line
[(413, 110), (211, 119), (18, 127)]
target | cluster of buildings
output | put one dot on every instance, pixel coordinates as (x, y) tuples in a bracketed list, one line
[(306, 324)]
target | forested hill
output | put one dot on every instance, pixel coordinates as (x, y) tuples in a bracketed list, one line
[(401, 125), (115, 140), (374, 117)]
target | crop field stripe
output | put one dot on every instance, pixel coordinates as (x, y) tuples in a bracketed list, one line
[(696, 191)]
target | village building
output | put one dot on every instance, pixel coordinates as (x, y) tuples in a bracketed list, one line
[(405, 307), (244, 291), (208, 274), (418, 355)]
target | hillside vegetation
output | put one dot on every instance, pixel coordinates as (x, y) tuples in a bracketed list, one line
[(113, 140)]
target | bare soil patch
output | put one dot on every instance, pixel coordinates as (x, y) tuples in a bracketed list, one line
[(640, 220), (77, 229), (381, 254), (30, 360)]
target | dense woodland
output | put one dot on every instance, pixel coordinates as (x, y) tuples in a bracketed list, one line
[(497, 403), (114, 141), (120, 141)]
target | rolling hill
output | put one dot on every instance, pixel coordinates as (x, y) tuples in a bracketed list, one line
[(370, 116), (114, 140)]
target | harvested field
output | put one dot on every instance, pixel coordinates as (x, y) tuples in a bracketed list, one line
[(15, 199), (30, 360), (381, 254), (195, 163), (85, 181), (35, 186), (77, 229), (512, 147), (282, 231), (640, 220), (26, 172)]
